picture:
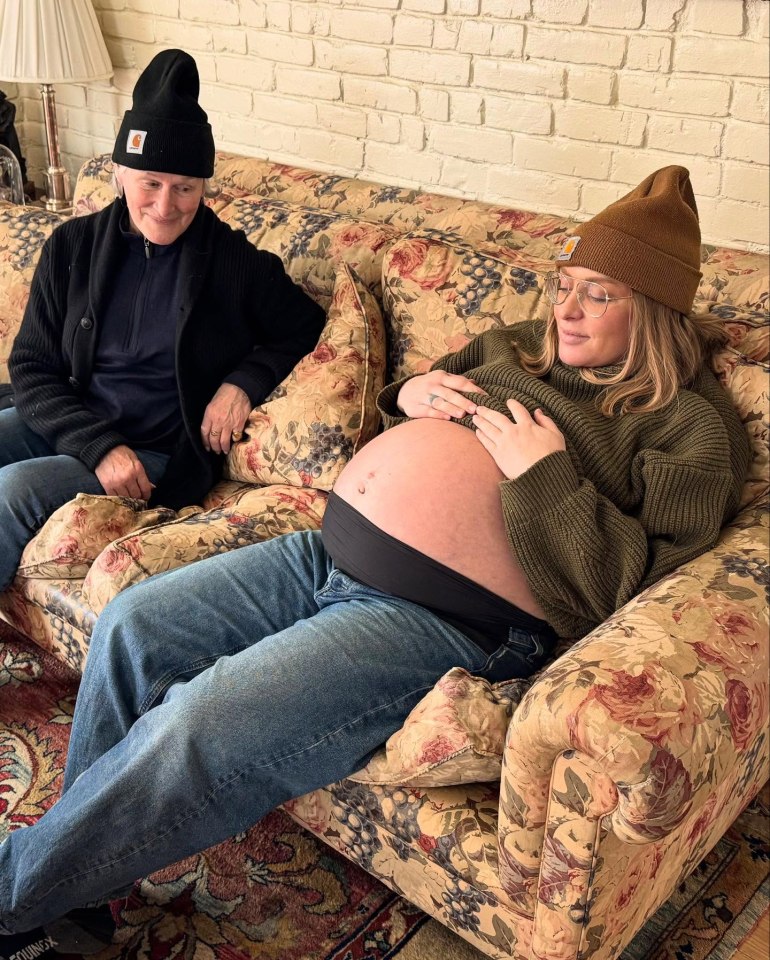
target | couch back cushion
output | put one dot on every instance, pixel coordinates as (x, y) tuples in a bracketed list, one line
[(314, 421), (439, 294), (403, 208), (23, 231), (312, 243)]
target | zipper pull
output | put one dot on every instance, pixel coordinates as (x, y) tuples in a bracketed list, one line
[(147, 252)]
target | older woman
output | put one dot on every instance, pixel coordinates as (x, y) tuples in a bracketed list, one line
[(151, 331), (526, 488)]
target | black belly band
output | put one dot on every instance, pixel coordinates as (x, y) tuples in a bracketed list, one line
[(371, 556)]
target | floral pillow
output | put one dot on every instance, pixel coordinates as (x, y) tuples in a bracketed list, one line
[(440, 294), (747, 382), (455, 734), (314, 421)]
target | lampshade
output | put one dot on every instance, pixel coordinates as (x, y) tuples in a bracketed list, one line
[(51, 41), (47, 42)]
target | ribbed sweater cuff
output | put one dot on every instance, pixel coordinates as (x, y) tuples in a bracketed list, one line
[(256, 388), (553, 477), (94, 452), (386, 404)]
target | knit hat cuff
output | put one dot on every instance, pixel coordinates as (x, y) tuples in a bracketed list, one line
[(630, 260), (165, 145)]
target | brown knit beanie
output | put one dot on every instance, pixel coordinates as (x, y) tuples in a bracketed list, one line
[(649, 239)]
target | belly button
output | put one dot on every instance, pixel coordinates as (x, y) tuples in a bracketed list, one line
[(362, 486)]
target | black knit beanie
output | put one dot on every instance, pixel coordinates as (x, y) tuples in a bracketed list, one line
[(166, 130)]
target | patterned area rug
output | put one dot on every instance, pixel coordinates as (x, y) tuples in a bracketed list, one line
[(278, 893)]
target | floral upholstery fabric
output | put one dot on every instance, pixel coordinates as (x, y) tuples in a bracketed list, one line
[(313, 244), (455, 734), (314, 422), (598, 788), (252, 515), (438, 295), (23, 231), (402, 209), (77, 532)]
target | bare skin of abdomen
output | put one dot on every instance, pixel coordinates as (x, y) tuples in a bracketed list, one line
[(430, 484)]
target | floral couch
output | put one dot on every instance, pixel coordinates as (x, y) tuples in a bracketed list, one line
[(544, 819)]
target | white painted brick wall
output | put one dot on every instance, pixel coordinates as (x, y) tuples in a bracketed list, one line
[(554, 105)]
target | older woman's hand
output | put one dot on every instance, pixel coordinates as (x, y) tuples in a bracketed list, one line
[(437, 394), (122, 474), (224, 418), (515, 445)]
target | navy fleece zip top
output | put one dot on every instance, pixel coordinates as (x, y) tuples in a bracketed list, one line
[(133, 385)]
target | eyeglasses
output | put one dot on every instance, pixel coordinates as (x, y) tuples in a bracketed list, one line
[(592, 297)]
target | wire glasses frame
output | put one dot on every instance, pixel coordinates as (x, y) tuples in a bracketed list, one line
[(592, 296)]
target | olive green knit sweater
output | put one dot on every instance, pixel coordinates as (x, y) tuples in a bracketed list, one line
[(633, 496)]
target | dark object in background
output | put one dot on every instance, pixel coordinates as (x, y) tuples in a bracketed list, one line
[(8, 135)]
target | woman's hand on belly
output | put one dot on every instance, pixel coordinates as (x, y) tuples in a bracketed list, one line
[(516, 445), (438, 395)]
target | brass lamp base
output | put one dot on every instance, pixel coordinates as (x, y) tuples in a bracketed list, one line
[(57, 189), (56, 177)]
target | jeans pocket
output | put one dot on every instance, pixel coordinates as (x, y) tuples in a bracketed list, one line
[(530, 647)]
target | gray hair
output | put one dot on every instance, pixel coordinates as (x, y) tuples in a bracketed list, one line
[(211, 188)]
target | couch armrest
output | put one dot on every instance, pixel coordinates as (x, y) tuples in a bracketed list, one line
[(658, 707), (255, 514)]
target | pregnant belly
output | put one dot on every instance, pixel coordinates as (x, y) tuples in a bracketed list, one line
[(430, 484)]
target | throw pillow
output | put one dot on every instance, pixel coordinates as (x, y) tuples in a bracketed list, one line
[(455, 734), (313, 422)]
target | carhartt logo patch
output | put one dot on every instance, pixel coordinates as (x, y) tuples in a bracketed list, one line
[(135, 141), (568, 248)]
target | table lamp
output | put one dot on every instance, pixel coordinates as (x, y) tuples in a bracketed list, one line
[(47, 42)]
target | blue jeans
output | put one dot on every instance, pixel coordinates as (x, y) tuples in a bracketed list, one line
[(212, 694), (35, 481)]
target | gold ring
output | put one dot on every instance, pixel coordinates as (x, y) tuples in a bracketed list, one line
[(215, 433), (237, 435)]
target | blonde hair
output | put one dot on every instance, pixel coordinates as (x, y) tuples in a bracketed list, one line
[(665, 352), (211, 188)]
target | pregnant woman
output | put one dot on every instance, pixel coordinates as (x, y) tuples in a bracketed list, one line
[(526, 487)]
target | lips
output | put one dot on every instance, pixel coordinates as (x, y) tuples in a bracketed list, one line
[(566, 336)]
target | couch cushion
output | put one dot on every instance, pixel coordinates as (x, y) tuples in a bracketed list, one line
[(23, 231), (312, 243), (734, 277), (746, 381), (314, 422), (438, 295), (454, 735)]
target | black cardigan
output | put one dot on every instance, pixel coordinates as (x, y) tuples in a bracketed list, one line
[(241, 320)]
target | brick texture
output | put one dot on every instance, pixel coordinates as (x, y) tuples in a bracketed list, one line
[(553, 105)]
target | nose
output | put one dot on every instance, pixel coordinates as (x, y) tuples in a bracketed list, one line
[(165, 201), (571, 308)]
